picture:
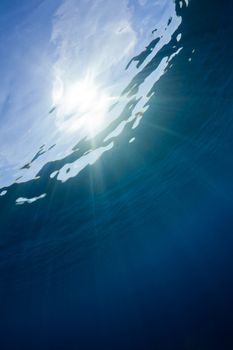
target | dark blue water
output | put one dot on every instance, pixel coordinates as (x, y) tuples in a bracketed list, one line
[(135, 252)]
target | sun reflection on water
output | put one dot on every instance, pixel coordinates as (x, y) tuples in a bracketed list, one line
[(80, 104)]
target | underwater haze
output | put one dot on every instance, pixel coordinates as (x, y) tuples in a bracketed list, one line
[(116, 174)]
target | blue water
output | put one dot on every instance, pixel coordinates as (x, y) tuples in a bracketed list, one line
[(135, 252)]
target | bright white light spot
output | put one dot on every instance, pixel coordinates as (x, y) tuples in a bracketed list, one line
[(3, 193), (22, 200), (132, 140), (80, 104)]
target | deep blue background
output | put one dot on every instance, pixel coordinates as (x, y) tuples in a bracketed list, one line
[(136, 253)]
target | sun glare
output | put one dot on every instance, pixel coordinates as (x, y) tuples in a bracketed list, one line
[(80, 104)]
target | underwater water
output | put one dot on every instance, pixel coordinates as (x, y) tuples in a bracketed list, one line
[(116, 174)]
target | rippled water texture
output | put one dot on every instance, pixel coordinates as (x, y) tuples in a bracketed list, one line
[(116, 174)]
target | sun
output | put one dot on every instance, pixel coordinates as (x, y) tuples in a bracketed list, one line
[(80, 104)]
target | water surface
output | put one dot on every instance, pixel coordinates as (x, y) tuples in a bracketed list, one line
[(116, 204)]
